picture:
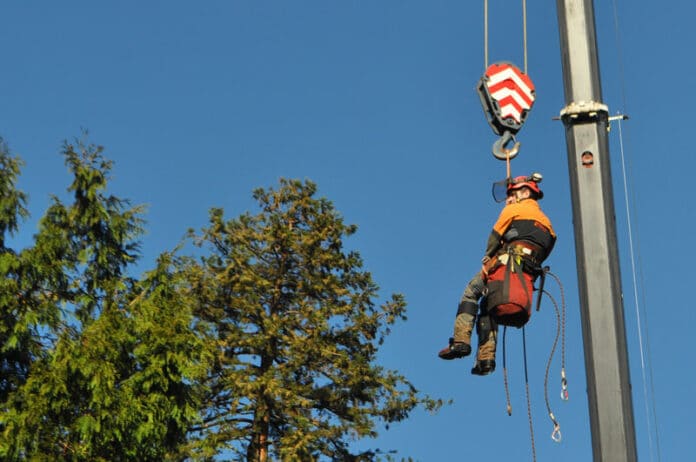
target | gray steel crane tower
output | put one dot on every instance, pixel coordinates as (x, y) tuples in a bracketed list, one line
[(586, 121)]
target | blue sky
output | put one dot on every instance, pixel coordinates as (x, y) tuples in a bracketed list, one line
[(198, 103)]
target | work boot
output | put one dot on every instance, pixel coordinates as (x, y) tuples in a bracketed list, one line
[(487, 331), (460, 345), (455, 350), (483, 367)]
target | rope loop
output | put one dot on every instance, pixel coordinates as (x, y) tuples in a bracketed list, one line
[(556, 434)]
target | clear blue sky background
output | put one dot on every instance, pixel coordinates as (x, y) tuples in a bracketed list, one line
[(198, 103)]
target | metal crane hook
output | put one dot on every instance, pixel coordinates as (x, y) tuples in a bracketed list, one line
[(501, 152)]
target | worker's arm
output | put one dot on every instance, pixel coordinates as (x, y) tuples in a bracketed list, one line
[(504, 220), (492, 245)]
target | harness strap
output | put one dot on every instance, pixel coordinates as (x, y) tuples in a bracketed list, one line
[(519, 257), (542, 281), (529, 252)]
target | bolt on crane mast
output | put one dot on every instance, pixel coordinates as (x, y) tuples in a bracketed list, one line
[(586, 122)]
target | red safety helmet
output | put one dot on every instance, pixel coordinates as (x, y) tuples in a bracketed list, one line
[(532, 182)]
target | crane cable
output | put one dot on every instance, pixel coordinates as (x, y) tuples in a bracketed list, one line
[(509, 154), (645, 355), (485, 34), (644, 343)]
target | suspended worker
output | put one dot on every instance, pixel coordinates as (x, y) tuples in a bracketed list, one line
[(520, 241)]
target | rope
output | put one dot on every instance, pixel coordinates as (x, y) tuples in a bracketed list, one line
[(648, 397), (564, 382), (524, 33), (560, 332), (526, 387), (485, 34), (507, 163), (505, 376), (556, 434)]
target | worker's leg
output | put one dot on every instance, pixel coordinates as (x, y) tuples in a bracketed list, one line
[(460, 344), (487, 332)]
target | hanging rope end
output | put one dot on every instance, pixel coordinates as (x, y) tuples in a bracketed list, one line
[(556, 434)]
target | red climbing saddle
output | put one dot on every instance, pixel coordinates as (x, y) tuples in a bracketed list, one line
[(510, 295)]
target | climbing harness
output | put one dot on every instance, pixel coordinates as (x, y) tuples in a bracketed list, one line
[(507, 95), (510, 287)]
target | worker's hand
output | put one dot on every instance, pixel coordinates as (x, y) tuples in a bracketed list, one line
[(484, 265)]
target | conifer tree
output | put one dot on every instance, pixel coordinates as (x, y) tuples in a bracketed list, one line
[(292, 320), (18, 318), (264, 345), (113, 361)]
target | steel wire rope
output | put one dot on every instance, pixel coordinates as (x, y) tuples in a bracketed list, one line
[(524, 33), (644, 344), (634, 248), (485, 34)]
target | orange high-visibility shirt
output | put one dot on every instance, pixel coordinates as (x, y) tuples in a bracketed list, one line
[(523, 221)]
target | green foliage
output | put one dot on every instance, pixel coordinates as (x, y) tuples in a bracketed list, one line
[(262, 347), (109, 364), (12, 201), (96, 235), (17, 318), (292, 318)]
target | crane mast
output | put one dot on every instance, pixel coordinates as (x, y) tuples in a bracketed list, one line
[(586, 121)]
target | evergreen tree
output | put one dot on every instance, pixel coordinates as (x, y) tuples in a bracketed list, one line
[(264, 346), (18, 318), (291, 319), (114, 361)]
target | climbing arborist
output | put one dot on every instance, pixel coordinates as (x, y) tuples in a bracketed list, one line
[(522, 234)]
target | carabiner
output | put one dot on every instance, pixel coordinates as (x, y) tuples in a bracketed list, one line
[(501, 152)]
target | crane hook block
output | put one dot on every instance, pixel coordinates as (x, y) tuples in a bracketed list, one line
[(507, 95)]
